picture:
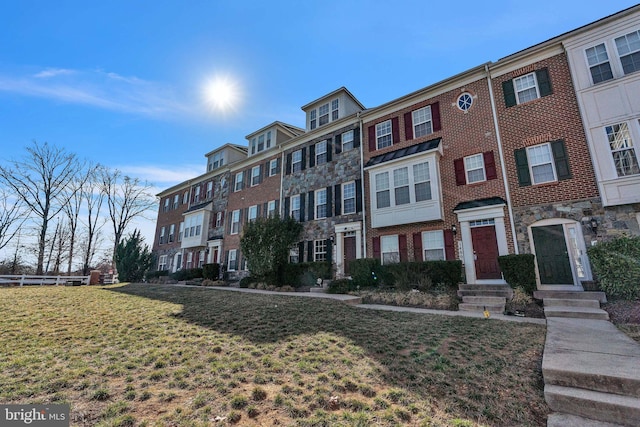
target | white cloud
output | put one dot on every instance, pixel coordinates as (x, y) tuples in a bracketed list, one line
[(159, 175), (53, 72)]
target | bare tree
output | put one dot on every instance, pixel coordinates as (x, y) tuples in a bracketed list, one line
[(93, 197), (42, 180), (72, 209), (11, 217), (127, 199)]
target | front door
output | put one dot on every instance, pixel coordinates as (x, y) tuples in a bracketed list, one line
[(349, 252), (554, 266), (485, 250)]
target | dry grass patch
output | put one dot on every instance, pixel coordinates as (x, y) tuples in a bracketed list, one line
[(163, 355)]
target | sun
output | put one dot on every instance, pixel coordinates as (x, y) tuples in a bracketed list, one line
[(222, 93)]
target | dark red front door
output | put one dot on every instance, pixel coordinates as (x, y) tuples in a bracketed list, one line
[(485, 249), (349, 252)]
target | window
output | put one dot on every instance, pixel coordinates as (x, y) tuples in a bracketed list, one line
[(422, 181), (271, 208), (622, 150), (185, 198), (176, 201), (269, 139), (349, 198), (433, 245), (383, 135), (323, 113), (390, 249), (178, 263), (218, 160), (189, 259), (196, 196), (295, 207), (172, 232), (166, 204), (201, 259), (321, 152), (255, 175), (629, 51), (209, 189), (162, 262), (383, 198), (219, 219), (193, 225), (294, 255), (599, 65), (312, 120), (542, 163), (321, 203), (181, 232), (235, 222), (162, 233), (401, 185), (296, 161), (273, 167), (232, 264), (474, 168), (526, 88), (347, 140), (465, 101), (239, 177), (253, 213), (253, 146), (320, 250), (422, 124), (334, 110), (261, 143)]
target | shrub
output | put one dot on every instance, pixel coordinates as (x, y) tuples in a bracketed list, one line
[(616, 264), (187, 274), (211, 271), (246, 281), (424, 275), (519, 271), (155, 274), (341, 286), (367, 272)]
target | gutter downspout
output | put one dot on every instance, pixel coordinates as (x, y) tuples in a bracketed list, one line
[(501, 154), (282, 167), (364, 209)]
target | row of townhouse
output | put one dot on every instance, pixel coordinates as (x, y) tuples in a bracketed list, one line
[(535, 153)]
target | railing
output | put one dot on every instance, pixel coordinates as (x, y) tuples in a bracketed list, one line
[(30, 279)]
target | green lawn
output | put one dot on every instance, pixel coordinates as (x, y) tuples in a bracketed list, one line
[(163, 355)]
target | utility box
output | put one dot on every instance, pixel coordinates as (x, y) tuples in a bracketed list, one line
[(94, 279)]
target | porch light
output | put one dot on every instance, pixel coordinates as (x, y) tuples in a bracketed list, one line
[(594, 225), (454, 229)]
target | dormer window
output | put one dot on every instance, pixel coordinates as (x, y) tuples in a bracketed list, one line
[(323, 112), (334, 110), (312, 119), (261, 142)]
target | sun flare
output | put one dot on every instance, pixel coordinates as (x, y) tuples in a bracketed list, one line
[(222, 93)]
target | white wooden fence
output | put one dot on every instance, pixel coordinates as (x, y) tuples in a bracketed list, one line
[(30, 279)]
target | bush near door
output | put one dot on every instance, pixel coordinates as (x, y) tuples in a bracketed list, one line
[(519, 271), (616, 264)]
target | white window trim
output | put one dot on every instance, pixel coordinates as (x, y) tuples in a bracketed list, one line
[(417, 123), (535, 85), (380, 136), (271, 212), (233, 257), (219, 219), (273, 167), (590, 66), (239, 181), (426, 244), (389, 238), (531, 165), (255, 175), (162, 262), (209, 189), (467, 170), (235, 222), (294, 161), (176, 201), (253, 213), (352, 141), (318, 245), (292, 210), (320, 153), (344, 199), (317, 204)]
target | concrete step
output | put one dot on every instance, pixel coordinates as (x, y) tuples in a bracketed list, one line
[(612, 408), (565, 302), (599, 296), (318, 290), (576, 312), (472, 287), (483, 300), (502, 293), (493, 308), (557, 419)]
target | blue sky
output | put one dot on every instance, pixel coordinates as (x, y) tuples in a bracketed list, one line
[(121, 82)]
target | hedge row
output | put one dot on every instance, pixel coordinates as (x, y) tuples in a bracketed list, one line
[(616, 264)]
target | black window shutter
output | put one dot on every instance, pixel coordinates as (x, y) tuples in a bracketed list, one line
[(417, 247), (544, 83), (258, 211), (329, 150), (300, 251), (561, 159), (358, 195), (302, 199), (288, 166), (312, 155), (310, 251), (490, 165), (338, 144), (304, 158), (522, 166), (337, 205), (287, 201), (329, 244), (449, 245), (260, 169), (245, 181), (435, 116), (373, 143), (265, 209), (509, 93), (278, 164), (356, 137), (458, 166), (277, 207), (233, 182), (311, 208), (329, 202)]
